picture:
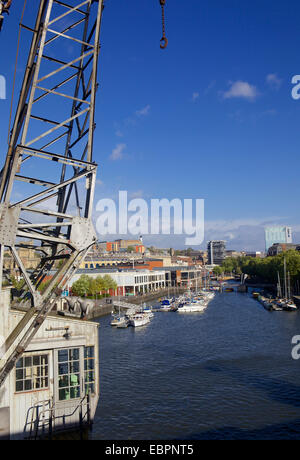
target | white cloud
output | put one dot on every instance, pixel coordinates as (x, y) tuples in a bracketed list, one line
[(241, 89), (119, 133), (273, 81), (117, 153), (144, 111), (195, 96)]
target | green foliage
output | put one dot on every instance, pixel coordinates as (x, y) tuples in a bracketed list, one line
[(43, 286), (265, 269), (96, 285), (87, 286), (81, 287), (17, 284), (218, 271)]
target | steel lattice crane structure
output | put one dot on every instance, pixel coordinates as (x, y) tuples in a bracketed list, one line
[(50, 154)]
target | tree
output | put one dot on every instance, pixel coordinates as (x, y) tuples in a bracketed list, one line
[(218, 271), (96, 285), (228, 265), (267, 269), (81, 287), (109, 283)]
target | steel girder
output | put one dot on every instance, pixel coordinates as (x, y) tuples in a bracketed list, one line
[(49, 177)]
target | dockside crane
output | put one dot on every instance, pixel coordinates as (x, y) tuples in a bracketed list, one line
[(50, 154)]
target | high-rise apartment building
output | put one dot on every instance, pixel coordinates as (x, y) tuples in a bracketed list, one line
[(276, 235), (216, 252)]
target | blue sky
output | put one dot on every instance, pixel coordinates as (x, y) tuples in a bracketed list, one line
[(211, 117)]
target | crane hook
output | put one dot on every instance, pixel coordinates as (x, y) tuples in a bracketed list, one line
[(164, 40), (164, 43)]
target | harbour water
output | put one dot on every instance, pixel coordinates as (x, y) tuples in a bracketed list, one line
[(226, 373)]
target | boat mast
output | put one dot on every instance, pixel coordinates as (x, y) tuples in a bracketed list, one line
[(285, 279), (279, 293), (289, 286)]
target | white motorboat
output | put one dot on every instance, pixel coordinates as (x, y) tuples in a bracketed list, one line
[(165, 308), (139, 319), (150, 314), (123, 323), (192, 307), (208, 294), (118, 321)]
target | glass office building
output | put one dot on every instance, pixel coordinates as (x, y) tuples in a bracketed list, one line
[(277, 235), (216, 252)]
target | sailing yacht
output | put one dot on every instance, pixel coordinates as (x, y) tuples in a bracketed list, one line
[(286, 304)]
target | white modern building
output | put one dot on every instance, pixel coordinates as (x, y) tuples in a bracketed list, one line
[(130, 282)]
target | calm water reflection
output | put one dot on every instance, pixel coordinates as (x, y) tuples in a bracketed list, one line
[(223, 374)]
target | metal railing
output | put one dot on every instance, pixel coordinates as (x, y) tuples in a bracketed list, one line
[(45, 420)]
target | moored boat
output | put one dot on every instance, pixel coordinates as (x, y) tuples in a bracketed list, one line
[(124, 323), (139, 319), (191, 308), (148, 311), (288, 305), (166, 305)]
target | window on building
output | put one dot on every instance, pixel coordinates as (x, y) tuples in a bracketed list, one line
[(89, 369), (69, 374), (32, 373)]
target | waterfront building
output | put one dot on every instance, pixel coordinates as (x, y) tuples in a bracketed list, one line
[(216, 251), (96, 261), (254, 254), (279, 248), (125, 246), (141, 280), (130, 282), (54, 386), (27, 254), (183, 276), (233, 253), (278, 234)]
